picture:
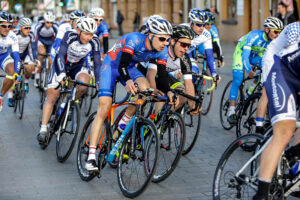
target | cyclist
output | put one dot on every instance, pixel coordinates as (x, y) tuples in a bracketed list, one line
[(45, 33), (120, 62), (178, 66), (69, 61), (65, 19), (198, 20), (249, 51), (9, 46), (282, 82), (63, 28), (102, 30)]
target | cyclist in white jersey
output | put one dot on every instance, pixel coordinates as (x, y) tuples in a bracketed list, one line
[(8, 46)]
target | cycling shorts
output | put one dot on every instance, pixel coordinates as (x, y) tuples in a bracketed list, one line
[(5, 59)]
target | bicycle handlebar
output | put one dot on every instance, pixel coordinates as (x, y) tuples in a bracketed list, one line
[(206, 78)]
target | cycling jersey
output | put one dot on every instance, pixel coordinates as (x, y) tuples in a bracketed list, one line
[(62, 29), (205, 39), (72, 53), (134, 44), (102, 30), (9, 44), (26, 46), (45, 36)]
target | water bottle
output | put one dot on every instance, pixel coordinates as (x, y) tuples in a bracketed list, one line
[(61, 108), (295, 169)]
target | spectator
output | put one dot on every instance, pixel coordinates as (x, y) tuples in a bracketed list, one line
[(136, 22), (285, 16), (295, 10), (289, 4), (120, 19)]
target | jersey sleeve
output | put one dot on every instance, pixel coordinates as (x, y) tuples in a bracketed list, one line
[(186, 67), (251, 38), (292, 33), (15, 51), (96, 57), (61, 55)]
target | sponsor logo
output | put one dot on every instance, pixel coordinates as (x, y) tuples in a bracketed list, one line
[(291, 58), (276, 102)]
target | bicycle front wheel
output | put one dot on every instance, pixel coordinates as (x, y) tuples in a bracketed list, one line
[(224, 107), (67, 132), (228, 184), (208, 96), (21, 98), (172, 140), (137, 166)]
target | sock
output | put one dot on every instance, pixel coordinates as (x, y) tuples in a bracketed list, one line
[(9, 95), (43, 128), (263, 189), (125, 120), (92, 153), (259, 121), (231, 110)]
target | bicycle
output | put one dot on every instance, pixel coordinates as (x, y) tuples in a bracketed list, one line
[(242, 95), (238, 170), (64, 121), (43, 81), (88, 97), (133, 149), (194, 121), (19, 93)]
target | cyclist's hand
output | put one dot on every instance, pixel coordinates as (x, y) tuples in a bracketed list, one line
[(130, 87), (217, 79), (179, 75), (159, 92), (251, 74), (103, 56), (220, 63)]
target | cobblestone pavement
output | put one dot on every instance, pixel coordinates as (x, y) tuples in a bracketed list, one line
[(27, 172)]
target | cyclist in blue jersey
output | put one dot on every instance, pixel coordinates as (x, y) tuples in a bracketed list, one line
[(45, 33), (282, 84), (9, 52), (249, 51), (121, 62), (62, 29), (102, 30), (198, 20), (69, 61), (65, 19)]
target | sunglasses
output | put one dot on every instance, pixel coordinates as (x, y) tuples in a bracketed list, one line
[(5, 26), (200, 25), (276, 31), (163, 39), (184, 45), (27, 28), (49, 22), (98, 19)]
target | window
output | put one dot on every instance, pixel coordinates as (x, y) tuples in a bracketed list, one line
[(230, 12)]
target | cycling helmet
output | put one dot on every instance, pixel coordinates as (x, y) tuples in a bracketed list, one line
[(181, 31), (211, 17), (87, 24), (66, 17), (49, 16), (273, 23), (96, 12), (5, 17), (76, 14), (157, 25), (25, 22), (198, 16)]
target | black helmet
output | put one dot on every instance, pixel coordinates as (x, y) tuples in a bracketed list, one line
[(182, 31)]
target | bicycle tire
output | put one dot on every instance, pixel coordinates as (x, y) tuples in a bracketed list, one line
[(62, 155), (224, 107), (147, 160), (171, 146), (247, 115), (88, 101), (16, 97), (233, 184), (22, 98), (191, 133), (83, 147), (208, 96)]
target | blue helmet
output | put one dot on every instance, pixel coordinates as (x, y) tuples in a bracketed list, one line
[(76, 14), (211, 17), (198, 16), (5, 17)]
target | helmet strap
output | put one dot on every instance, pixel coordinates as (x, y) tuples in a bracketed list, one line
[(173, 49), (150, 40)]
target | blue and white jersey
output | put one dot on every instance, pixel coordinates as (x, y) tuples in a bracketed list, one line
[(102, 30), (44, 34), (285, 45), (26, 44), (62, 29), (72, 53), (10, 45)]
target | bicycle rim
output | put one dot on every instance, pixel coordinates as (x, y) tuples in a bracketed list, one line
[(208, 97), (22, 98), (224, 107)]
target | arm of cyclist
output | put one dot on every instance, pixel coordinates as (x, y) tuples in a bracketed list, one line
[(96, 59), (15, 52), (217, 48)]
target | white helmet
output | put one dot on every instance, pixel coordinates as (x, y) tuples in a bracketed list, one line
[(96, 12), (158, 25), (25, 22), (87, 24), (273, 23), (49, 16), (66, 17)]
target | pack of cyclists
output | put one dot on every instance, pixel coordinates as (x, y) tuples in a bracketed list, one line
[(161, 57)]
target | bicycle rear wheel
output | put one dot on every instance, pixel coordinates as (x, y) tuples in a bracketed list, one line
[(227, 184), (192, 127), (68, 131), (137, 166), (172, 140)]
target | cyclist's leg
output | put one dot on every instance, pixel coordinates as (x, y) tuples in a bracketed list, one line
[(261, 111), (41, 52), (176, 84), (82, 74), (7, 65), (28, 71), (282, 107), (48, 50)]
